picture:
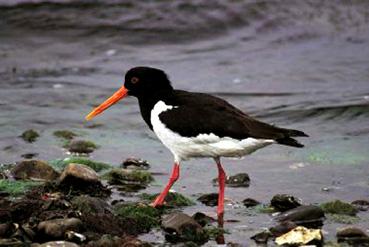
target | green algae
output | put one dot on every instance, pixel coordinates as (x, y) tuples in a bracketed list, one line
[(30, 135), (342, 218), (146, 217), (339, 207), (60, 164), (214, 232), (16, 188), (65, 134), (124, 176), (173, 199), (264, 209)]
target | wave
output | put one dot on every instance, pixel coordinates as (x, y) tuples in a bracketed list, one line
[(169, 21)]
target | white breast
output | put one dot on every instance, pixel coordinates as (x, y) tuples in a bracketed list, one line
[(203, 145)]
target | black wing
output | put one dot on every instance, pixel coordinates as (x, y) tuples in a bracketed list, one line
[(198, 113)]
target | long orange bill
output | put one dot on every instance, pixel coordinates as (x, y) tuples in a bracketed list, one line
[(118, 95)]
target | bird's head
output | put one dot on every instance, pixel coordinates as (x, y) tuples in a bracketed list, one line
[(138, 82)]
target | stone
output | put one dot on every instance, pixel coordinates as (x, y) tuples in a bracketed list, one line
[(300, 236), (6, 242), (78, 173), (58, 244), (7, 229), (249, 202), (361, 205), (65, 134), (284, 202), (173, 199), (133, 163), (56, 228), (121, 176), (262, 237), (34, 169), (353, 235), (282, 228), (203, 219), (81, 146), (87, 204), (309, 215), (210, 200), (180, 227), (339, 207), (29, 155), (238, 180), (30, 135)]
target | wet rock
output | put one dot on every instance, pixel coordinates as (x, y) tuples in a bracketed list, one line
[(58, 244), (6, 242), (262, 237), (282, 228), (309, 216), (284, 202), (30, 135), (353, 236), (56, 229), (34, 169), (78, 178), (210, 200), (114, 241), (81, 147), (301, 236), (78, 172), (180, 227), (249, 202), (87, 204), (65, 134), (97, 166), (203, 219), (7, 229), (361, 205), (75, 237), (29, 155), (135, 164), (143, 217), (238, 180), (126, 176), (173, 199), (339, 207)]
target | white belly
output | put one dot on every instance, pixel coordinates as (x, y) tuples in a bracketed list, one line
[(203, 145)]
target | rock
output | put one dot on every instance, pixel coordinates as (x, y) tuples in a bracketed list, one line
[(249, 202), (262, 237), (352, 235), (6, 242), (301, 236), (29, 155), (114, 241), (30, 135), (339, 207), (310, 216), (127, 176), (203, 219), (180, 227), (284, 202), (97, 166), (238, 180), (56, 228), (34, 169), (87, 204), (133, 163), (81, 146), (75, 237), (65, 134), (282, 228), (58, 244), (361, 205), (210, 200), (78, 173), (7, 229)]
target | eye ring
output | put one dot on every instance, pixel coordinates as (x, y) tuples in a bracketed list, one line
[(134, 80)]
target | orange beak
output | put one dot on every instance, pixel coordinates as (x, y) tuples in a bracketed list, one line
[(118, 95)]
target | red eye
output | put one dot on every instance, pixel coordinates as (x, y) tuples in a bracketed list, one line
[(134, 80)]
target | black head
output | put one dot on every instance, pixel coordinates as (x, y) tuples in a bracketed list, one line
[(140, 81)]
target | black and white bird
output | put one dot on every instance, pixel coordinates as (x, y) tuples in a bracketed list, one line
[(195, 125)]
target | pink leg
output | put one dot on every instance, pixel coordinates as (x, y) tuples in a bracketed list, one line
[(221, 182), (175, 175)]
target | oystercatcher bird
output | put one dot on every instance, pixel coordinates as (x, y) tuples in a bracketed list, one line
[(195, 125)]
